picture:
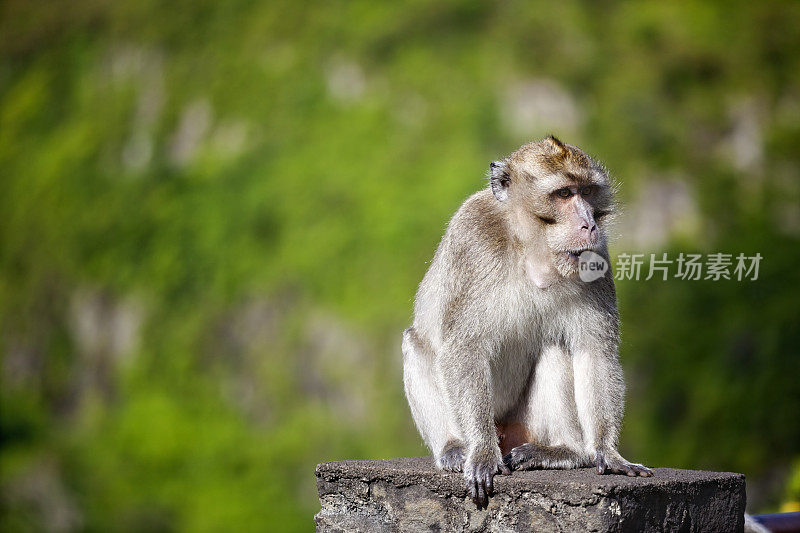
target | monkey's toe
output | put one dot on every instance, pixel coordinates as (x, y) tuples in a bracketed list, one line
[(452, 458), (620, 466), (523, 457), (640, 470)]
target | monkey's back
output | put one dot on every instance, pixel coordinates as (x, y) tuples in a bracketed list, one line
[(470, 272)]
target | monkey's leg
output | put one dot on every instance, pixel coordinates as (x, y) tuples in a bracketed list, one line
[(428, 406), (465, 372), (550, 417), (599, 397)]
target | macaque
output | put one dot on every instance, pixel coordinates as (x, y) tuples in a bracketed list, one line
[(511, 361)]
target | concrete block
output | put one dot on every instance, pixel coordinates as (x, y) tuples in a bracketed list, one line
[(410, 494)]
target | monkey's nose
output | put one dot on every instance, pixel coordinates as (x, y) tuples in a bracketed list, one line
[(589, 232)]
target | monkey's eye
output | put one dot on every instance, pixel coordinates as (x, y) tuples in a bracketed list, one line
[(564, 193), (587, 191)]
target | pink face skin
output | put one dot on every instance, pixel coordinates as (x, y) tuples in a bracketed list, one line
[(573, 203)]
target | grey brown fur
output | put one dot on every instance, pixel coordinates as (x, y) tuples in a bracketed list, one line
[(506, 338)]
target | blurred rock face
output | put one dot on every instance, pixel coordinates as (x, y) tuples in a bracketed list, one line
[(194, 125), (103, 324), (345, 80), (660, 211), (322, 360), (106, 332), (335, 354), (40, 490), (534, 106), (744, 144)]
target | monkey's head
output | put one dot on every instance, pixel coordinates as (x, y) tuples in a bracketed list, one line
[(556, 190)]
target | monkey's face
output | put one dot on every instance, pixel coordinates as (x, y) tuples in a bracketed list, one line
[(571, 213), (557, 191)]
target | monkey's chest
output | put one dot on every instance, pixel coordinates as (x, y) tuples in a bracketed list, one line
[(511, 368), (520, 347)]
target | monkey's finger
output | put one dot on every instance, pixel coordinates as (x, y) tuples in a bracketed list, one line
[(629, 470), (489, 484), (478, 493), (504, 469), (482, 498), (642, 470)]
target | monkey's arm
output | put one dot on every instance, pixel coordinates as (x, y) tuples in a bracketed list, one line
[(464, 369), (599, 398)]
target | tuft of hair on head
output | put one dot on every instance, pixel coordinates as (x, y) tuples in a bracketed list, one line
[(553, 140), (556, 153), (560, 149)]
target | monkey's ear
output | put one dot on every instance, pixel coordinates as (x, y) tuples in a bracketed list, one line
[(499, 179)]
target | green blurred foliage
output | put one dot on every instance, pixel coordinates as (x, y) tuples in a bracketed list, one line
[(214, 216)]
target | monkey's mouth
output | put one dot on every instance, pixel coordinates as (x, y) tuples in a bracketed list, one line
[(574, 255)]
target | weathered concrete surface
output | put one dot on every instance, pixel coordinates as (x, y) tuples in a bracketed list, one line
[(411, 495)]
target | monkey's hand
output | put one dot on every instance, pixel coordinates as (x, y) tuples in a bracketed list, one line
[(479, 471), (613, 463)]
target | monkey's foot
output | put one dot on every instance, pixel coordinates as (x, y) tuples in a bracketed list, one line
[(615, 464), (479, 473), (530, 456), (453, 455)]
